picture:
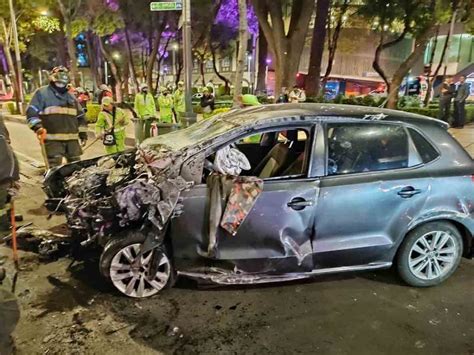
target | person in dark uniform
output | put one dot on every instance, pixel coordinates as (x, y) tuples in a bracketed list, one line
[(9, 177), (462, 93), (56, 115), (445, 98)]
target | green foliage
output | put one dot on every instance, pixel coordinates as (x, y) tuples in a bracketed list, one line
[(107, 23), (92, 112), (409, 102), (47, 24), (79, 25)]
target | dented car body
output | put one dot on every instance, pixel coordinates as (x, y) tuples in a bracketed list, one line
[(343, 188)]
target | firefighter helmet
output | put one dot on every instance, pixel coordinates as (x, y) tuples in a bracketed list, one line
[(59, 74)]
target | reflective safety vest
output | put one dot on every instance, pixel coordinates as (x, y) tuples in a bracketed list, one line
[(105, 120), (59, 113)]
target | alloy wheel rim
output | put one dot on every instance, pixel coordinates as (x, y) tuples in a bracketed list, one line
[(433, 255), (132, 277)]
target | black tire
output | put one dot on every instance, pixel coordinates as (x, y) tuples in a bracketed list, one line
[(412, 237), (118, 243)]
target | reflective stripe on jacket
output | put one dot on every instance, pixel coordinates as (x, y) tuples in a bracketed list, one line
[(60, 113)]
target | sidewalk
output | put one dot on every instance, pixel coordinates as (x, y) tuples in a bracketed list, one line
[(465, 137)]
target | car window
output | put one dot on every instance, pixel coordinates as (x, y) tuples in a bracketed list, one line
[(425, 149), (363, 147), (272, 154)]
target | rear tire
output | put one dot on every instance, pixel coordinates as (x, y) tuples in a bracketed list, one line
[(430, 254), (119, 264)]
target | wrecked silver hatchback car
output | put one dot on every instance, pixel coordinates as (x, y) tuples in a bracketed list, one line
[(275, 193)]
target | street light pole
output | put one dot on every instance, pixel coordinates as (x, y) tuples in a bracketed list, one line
[(17, 53), (249, 57), (189, 116)]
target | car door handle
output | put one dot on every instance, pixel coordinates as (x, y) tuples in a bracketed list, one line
[(299, 203), (408, 191)]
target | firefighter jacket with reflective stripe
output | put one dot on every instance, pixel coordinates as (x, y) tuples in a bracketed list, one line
[(59, 113), (9, 170)]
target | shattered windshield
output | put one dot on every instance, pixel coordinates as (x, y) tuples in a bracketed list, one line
[(195, 134), (205, 130)]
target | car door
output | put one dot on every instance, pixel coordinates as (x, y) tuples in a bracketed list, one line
[(374, 186), (276, 235)]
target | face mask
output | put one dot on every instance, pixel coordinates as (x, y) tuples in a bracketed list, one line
[(165, 93), (59, 84)]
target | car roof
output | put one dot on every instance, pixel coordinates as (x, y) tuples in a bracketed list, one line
[(219, 126), (263, 112)]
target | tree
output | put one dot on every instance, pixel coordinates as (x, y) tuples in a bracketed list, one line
[(317, 48), (102, 21), (285, 42), (28, 23), (69, 10), (263, 62), (242, 50), (340, 16)]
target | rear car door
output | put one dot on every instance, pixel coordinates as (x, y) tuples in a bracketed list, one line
[(374, 186), (276, 235)]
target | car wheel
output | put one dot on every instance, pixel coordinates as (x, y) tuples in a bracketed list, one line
[(430, 254), (130, 275)]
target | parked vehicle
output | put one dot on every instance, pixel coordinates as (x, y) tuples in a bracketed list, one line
[(345, 188)]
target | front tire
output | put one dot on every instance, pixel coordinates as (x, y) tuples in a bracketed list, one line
[(430, 254), (131, 276)]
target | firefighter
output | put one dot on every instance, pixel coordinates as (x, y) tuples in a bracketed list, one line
[(112, 120), (165, 103), (57, 118), (146, 110), (178, 100), (9, 177)]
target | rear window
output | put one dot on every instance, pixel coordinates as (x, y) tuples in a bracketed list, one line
[(362, 147), (425, 149)]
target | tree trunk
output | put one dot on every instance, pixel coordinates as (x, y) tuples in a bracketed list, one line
[(333, 41), (133, 74), (286, 49), (219, 75), (179, 69), (92, 59), (313, 79), (262, 62), (201, 70), (430, 77), (405, 67), (71, 48), (126, 75), (11, 67), (243, 38), (61, 46), (115, 72), (151, 62)]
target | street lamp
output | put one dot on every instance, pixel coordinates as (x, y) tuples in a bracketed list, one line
[(116, 55), (175, 48), (249, 57), (44, 12)]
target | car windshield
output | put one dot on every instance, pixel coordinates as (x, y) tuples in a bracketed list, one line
[(200, 132)]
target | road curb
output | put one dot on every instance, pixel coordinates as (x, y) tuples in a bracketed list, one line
[(130, 141)]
